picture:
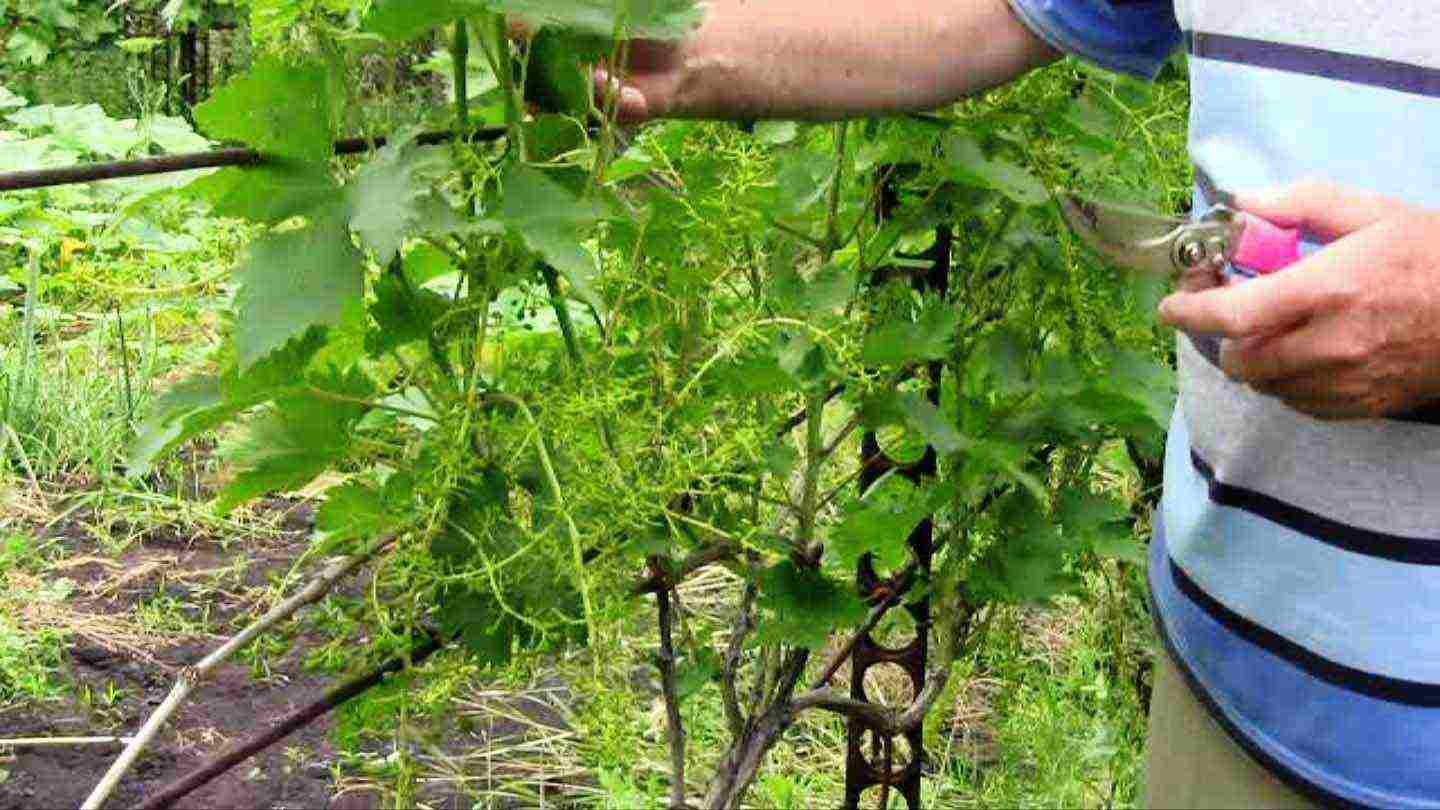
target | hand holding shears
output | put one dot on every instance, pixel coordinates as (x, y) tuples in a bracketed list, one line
[(1352, 331)]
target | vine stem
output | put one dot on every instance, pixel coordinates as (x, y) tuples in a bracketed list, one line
[(572, 343), (832, 220), (192, 676), (577, 552), (814, 460), (666, 665)]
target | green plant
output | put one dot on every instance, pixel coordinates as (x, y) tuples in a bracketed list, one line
[(384, 327)]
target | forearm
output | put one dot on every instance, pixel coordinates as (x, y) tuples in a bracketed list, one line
[(822, 59)]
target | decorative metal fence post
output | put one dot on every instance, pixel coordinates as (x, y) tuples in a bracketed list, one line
[(879, 767)]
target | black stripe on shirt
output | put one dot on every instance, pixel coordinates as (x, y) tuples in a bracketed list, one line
[(1394, 547), (1294, 780), (1345, 67), (1380, 687)]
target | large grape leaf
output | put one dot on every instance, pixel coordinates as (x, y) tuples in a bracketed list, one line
[(549, 218), (297, 440), (293, 280), (204, 402), (1027, 561), (400, 20), (1101, 523), (391, 196), (912, 410), (269, 193), (899, 342), (803, 606), (651, 19), (279, 109), (968, 163), (879, 525)]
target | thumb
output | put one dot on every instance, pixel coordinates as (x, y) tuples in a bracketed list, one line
[(1324, 208)]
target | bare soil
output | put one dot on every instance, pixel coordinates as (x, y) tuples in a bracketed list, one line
[(298, 772)]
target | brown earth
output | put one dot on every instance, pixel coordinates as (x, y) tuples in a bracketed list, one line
[(298, 772)]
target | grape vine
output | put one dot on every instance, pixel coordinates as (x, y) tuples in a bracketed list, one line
[(561, 367)]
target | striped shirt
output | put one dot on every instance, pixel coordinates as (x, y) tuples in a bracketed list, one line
[(1294, 569)]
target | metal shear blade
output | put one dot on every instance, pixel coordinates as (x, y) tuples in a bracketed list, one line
[(1130, 237)]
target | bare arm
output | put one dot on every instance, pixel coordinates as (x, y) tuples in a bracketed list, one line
[(822, 59)]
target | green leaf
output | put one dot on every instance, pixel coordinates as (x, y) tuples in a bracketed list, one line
[(205, 402), (556, 79), (279, 109), (9, 99), (353, 511), (967, 163), (802, 179), (1027, 562), (268, 193), (696, 670), (294, 442), (479, 624), (914, 411), (172, 134), (751, 375), (999, 363), (633, 162), (24, 47), (780, 459), (402, 315), (186, 410), (391, 195), (879, 525), (1101, 523), (901, 342), (803, 360), (425, 262), (292, 280), (399, 20), (803, 606), (549, 219), (829, 288), (646, 19), (776, 133)]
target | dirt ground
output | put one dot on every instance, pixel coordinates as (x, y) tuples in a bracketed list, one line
[(298, 772)]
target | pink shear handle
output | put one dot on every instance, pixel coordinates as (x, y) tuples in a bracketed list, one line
[(1265, 247)]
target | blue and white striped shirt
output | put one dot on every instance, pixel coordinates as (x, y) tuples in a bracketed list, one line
[(1295, 570)]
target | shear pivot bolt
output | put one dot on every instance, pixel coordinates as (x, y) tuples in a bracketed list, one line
[(1192, 254)]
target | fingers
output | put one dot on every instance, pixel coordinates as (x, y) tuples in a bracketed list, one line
[(631, 105), (1317, 284), (1257, 307), (1324, 208), (1305, 352)]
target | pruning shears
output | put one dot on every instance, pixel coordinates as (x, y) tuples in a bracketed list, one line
[(1194, 252)]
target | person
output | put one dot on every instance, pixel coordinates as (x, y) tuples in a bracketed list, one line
[(1294, 568)]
